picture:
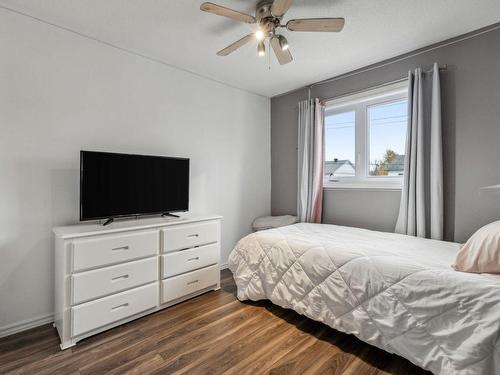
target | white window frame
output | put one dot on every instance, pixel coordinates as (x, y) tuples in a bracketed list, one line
[(359, 103)]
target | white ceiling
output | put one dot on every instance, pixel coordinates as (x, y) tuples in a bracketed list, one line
[(178, 33)]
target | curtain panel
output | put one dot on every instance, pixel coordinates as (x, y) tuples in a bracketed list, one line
[(310, 160), (421, 207)]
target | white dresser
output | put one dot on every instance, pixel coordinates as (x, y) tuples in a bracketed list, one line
[(106, 276)]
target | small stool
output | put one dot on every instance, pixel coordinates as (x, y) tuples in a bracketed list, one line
[(269, 222)]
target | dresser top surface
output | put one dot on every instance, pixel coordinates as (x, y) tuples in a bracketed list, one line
[(91, 229)]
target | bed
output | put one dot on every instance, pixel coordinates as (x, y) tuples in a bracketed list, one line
[(393, 291)]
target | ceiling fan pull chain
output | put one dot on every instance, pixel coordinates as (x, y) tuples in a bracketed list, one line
[(269, 54)]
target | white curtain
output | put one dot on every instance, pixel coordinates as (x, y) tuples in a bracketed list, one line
[(421, 208), (310, 161)]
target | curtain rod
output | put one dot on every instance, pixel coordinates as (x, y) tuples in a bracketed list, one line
[(441, 67)]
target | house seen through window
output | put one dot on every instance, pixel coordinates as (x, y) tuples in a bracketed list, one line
[(365, 137)]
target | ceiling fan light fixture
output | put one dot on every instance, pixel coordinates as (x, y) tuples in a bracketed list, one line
[(266, 22), (283, 42), (259, 34), (261, 49)]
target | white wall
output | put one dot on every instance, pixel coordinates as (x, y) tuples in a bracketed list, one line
[(60, 93)]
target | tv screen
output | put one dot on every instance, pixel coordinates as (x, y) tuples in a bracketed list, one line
[(114, 185)]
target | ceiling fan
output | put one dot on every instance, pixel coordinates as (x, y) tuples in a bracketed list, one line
[(268, 16)]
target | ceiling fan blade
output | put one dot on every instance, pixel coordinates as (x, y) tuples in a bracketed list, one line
[(226, 12), (284, 57), (316, 24), (279, 7), (234, 46)]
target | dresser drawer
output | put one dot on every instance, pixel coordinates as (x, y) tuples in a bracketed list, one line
[(97, 283), (95, 314), (103, 250), (182, 285), (191, 235), (183, 261)]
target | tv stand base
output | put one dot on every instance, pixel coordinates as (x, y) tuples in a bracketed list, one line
[(108, 221), (169, 215)]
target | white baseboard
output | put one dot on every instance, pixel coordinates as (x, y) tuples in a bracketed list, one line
[(224, 266), (25, 325)]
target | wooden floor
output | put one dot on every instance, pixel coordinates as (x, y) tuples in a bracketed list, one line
[(210, 334)]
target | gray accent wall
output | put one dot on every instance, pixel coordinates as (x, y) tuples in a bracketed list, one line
[(471, 136), (375, 209)]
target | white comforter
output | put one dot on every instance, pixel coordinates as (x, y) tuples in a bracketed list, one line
[(393, 291)]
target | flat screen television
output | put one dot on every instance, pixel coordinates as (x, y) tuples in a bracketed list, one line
[(118, 185)]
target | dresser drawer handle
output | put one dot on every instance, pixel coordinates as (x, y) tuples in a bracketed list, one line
[(120, 248), (192, 282), (195, 258), (119, 306), (193, 235), (122, 277)]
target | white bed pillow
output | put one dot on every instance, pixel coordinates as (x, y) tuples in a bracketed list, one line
[(481, 253)]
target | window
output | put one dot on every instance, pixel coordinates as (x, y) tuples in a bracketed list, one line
[(341, 144), (387, 134), (365, 137)]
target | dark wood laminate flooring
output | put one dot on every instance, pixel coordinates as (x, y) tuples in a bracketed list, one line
[(211, 334)]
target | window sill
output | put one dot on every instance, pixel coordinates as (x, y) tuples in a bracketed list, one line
[(361, 185)]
